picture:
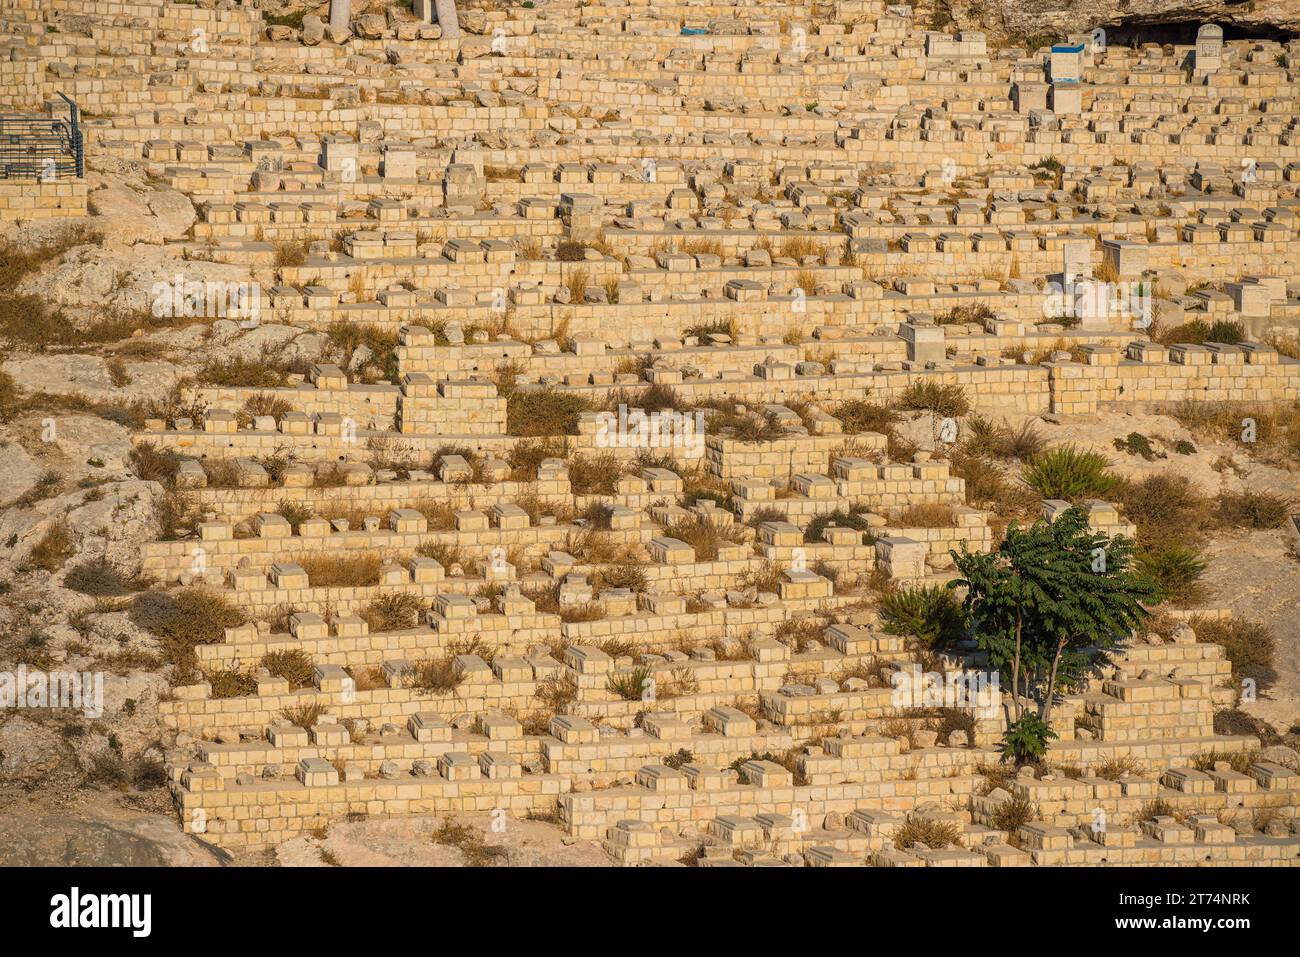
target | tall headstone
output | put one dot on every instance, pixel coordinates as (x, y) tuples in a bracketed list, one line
[(1066, 63), (340, 16), (1209, 49), (447, 19)]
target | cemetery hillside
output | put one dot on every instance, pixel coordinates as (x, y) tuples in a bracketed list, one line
[(504, 433)]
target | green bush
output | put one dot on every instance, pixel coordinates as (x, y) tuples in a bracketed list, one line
[(1026, 740), (1175, 570), (1138, 444), (930, 396), (854, 518), (931, 614), (1167, 509), (1069, 473), (629, 685), (1227, 331)]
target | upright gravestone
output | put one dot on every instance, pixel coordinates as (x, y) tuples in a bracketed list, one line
[(447, 19), (1209, 49), (340, 16)]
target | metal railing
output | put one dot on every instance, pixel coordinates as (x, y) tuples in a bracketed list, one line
[(38, 147)]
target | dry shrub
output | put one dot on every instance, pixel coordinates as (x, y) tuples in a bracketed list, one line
[(294, 666), (981, 436), (930, 515), (231, 683), (341, 571), (435, 676), (931, 396), (393, 611), (1167, 509), (576, 283), (1249, 645), (470, 842), (260, 404), (927, 832), (1116, 768), (1259, 510), (441, 516), (192, 616), (303, 715), (766, 577), (544, 412), (54, 548), (1013, 814), (98, 578), (705, 536), (175, 515), (239, 371), (596, 474), (154, 464)]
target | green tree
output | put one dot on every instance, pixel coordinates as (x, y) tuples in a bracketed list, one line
[(1048, 599)]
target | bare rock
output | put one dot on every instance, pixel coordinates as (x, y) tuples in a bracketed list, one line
[(31, 753), (19, 472), (99, 837), (370, 26), (313, 30)]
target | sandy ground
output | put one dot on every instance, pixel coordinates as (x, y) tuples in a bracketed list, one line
[(410, 842)]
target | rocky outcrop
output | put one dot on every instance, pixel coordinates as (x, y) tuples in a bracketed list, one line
[(130, 212), (89, 376), (98, 837), (94, 278), (1028, 18), (31, 753)]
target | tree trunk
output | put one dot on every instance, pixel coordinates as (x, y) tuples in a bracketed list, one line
[(447, 19), (1046, 710), (1015, 673)]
